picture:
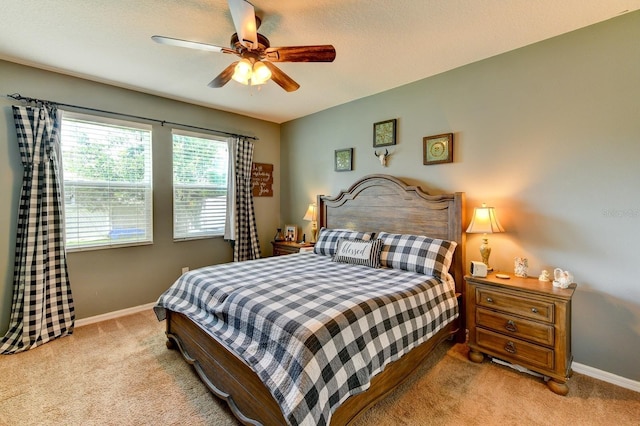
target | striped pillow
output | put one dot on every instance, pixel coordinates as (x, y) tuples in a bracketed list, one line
[(359, 252), (416, 253)]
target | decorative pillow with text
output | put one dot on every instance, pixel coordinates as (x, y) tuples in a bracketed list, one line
[(359, 252)]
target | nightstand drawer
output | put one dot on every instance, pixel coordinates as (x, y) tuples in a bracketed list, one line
[(281, 251), (281, 248), (516, 327), (515, 349), (530, 308)]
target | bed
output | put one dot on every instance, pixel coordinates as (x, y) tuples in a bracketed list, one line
[(261, 374)]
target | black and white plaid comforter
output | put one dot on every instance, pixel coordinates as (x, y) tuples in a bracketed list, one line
[(315, 331)]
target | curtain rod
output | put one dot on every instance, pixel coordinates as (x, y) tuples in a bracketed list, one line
[(19, 97)]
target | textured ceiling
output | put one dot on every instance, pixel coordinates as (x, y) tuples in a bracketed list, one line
[(380, 44)]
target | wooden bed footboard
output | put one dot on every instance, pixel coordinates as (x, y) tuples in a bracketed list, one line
[(226, 375), (229, 378)]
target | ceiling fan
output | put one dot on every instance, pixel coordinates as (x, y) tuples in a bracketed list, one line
[(257, 56)]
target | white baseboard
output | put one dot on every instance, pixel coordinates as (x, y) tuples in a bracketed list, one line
[(116, 314), (634, 385), (576, 366)]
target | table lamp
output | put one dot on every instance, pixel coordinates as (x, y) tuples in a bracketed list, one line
[(312, 215), (484, 221)]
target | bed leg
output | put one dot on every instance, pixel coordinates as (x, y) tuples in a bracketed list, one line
[(171, 344)]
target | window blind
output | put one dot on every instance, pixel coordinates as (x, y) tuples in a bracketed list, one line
[(200, 167), (108, 191)]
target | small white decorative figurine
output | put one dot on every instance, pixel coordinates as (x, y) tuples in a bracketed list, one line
[(544, 276), (562, 278)]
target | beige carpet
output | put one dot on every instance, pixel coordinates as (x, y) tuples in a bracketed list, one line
[(119, 372)]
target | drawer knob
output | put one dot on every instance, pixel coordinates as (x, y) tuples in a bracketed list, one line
[(511, 326), (534, 310), (510, 347), (490, 300)]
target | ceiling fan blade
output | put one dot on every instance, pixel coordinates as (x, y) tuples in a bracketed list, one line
[(281, 79), (244, 19), (323, 53), (190, 44), (224, 77)]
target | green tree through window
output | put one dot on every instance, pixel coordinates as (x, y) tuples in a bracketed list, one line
[(200, 166), (107, 181)]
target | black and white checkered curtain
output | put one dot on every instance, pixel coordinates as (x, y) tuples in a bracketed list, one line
[(42, 307), (246, 245)]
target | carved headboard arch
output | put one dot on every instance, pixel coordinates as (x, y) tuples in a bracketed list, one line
[(385, 203)]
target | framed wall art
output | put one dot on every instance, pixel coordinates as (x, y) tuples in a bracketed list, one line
[(384, 133), (343, 160), (437, 149)]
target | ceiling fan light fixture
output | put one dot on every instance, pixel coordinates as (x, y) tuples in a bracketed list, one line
[(261, 73), (256, 64), (242, 72)]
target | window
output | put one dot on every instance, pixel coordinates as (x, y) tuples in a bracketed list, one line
[(200, 166), (107, 182)]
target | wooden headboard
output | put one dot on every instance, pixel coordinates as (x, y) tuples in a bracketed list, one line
[(384, 203)]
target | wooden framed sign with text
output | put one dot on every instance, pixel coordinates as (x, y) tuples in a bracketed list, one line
[(262, 180)]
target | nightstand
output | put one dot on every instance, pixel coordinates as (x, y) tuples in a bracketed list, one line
[(288, 247), (523, 321)]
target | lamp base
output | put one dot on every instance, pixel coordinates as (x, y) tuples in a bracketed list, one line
[(485, 252)]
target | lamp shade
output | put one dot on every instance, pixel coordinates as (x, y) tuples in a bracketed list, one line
[(484, 221), (311, 213)]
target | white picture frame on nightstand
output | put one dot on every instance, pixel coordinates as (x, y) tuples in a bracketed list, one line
[(291, 233)]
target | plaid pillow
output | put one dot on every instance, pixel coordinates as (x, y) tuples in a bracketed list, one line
[(328, 239), (416, 253), (359, 252)]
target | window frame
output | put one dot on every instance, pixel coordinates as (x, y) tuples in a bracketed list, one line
[(149, 189), (214, 139)]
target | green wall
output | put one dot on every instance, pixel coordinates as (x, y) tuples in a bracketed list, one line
[(108, 280), (547, 134)]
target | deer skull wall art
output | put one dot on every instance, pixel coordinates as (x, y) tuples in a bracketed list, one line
[(383, 157)]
